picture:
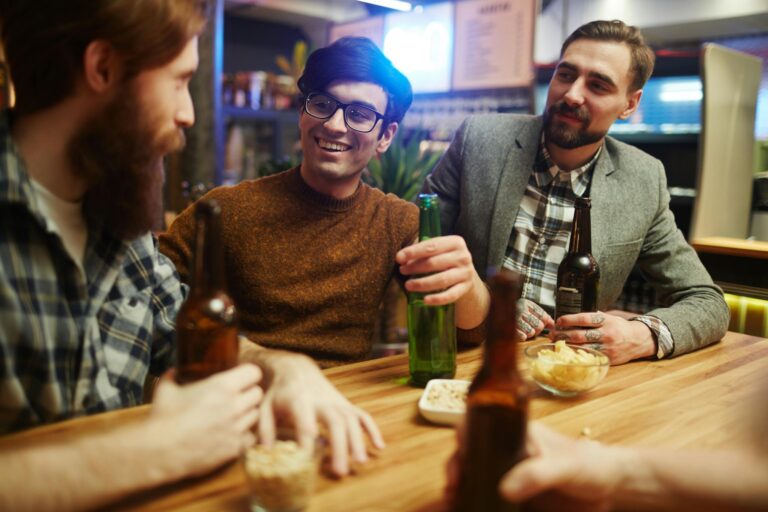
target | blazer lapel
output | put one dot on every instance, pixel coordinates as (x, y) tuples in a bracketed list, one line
[(513, 179), (601, 190)]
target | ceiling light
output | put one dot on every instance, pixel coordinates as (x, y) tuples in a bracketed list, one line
[(397, 5)]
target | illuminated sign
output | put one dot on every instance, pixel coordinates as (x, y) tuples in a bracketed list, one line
[(420, 44)]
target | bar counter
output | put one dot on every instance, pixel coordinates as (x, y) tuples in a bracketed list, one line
[(696, 400)]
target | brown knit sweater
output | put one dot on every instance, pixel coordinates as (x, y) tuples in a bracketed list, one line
[(306, 271)]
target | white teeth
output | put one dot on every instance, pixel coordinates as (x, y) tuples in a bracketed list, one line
[(332, 146)]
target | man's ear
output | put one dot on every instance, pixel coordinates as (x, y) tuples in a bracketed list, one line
[(386, 138), (101, 66), (633, 101)]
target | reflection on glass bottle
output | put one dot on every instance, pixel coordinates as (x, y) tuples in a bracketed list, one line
[(578, 277), (497, 407), (431, 329), (206, 327), (5, 87)]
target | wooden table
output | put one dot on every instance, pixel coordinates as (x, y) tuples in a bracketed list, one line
[(696, 400)]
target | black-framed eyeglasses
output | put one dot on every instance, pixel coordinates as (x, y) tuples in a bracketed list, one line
[(357, 117)]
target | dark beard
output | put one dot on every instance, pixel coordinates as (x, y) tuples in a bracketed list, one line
[(120, 154), (567, 136)]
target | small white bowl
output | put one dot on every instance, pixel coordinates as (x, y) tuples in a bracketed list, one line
[(444, 400)]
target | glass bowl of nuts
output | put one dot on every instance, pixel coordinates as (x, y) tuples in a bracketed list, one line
[(444, 400), (564, 369)]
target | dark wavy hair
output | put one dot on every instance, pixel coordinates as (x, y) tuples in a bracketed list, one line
[(44, 43), (643, 58), (358, 59)]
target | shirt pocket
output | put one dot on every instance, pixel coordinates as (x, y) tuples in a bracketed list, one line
[(619, 248), (616, 261), (126, 325)]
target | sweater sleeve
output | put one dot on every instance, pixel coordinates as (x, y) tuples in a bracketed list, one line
[(176, 243)]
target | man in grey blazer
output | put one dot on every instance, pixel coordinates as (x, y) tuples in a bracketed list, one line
[(507, 185)]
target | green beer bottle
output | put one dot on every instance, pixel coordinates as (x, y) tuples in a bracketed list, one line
[(431, 329)]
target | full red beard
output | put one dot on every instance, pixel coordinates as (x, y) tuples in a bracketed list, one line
[(120, 155)]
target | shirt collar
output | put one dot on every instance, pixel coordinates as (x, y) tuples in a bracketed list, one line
[(15, 186), (545, 170)]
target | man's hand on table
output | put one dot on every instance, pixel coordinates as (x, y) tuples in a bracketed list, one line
[(298, 394), (445, 271), (209, 422), (620, 339), (532, 319)]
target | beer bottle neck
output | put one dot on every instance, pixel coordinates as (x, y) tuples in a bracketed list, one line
[(500, 355), (429, 217), (581, 230), (208, 268)]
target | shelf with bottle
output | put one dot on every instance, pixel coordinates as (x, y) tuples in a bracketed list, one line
[(288, 115), (441, 114), (259, 143), (258, 90)]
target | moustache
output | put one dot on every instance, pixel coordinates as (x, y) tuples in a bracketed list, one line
[(579, 113)]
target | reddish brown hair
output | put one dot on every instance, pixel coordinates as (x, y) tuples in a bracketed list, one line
[(44, 44)]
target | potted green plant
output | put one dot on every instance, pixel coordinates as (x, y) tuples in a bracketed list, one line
[(403, 168), (294, 68)]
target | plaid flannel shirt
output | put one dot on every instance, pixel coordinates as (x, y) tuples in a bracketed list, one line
[(542, 231), (73, 343)]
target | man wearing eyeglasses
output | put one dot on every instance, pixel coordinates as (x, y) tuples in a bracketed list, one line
[(310, 251)]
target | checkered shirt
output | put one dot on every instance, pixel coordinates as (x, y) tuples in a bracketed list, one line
[(74, 343), (542, 231)]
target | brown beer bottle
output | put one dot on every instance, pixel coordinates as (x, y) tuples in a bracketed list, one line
[(206, 327), (497, 407), (578, 277)]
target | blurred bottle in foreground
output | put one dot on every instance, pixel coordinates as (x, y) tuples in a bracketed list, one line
[(497, 407), (431, 329), (578, 277), (206, 327)]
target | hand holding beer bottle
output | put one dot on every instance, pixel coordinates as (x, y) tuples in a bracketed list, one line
[(206, 327), (431, 329)]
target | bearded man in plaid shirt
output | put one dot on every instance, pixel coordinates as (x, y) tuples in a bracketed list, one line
[(87, 303)]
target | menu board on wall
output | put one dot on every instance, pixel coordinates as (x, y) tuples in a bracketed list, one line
[(493, 44), (372, 28)]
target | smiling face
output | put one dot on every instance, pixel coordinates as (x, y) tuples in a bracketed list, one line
[(588, 92), (334, 155)]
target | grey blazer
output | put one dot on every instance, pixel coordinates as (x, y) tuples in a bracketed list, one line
[(481, 180)]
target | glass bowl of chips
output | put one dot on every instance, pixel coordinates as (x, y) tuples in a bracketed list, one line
[(564, 369)]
